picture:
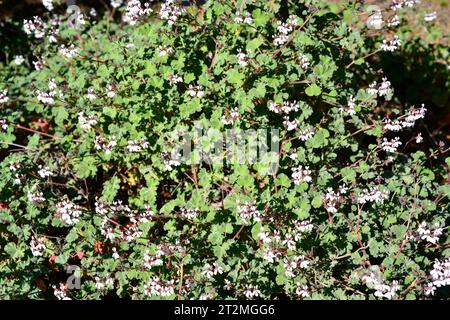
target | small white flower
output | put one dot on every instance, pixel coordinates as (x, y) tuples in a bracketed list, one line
[(350, 108), (3, 125), (116, 3), (165, 51), (86, 123), (290, 125), (34, 27), (61, 292), (242, 58), (174, 79), (419, 138), (37, 246), (394, 21), (70, 52), (189, 213), (306, 134), (4, 96), (44, 172), (302, 291), (304, 61), (90, 95), (251, 291), (39, 64), (111, 91), (284, 29), (48, 4), (18, 60), (375, 20), (195, 91), (430, 16), (248, 212), (137, 145)]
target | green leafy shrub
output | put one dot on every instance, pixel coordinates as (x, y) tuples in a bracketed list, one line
[(357, 208)]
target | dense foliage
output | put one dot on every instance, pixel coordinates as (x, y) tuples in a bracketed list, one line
[(358, 207)]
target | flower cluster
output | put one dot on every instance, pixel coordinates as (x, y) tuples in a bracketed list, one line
[(3, 125), (68, 212), (350, 108), (242, 58), (170, 12), (157, 287), (69, 52), (86, 123), (430, 16), (196, 91), (333, 199), (292, 265), (111, 91), (134, 11), (14, 167), (302, 290), (40, 63), (212, 270), (290, 125), (372, 195), (427, 234), (382, 89), (440, 276), (391, 45), (284, 29), (174, 79), (306, 134), (164, 51), (116, 3), (137, 145), (286, 107), (301, 174), (18, 60), (246, 18), (61, 292), (35, 196), (400, 4), (104, 283), (49, 96), (4, 96), (90, 94), (391, 145), (44, 172), (37, 246), (102, 144), (151, 261), (48, 4), (382, 290), (303, 61), (251, 291), (248, 212), (189, 213), (34, 27), (394, 21), (232, 118), (171, 160)]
